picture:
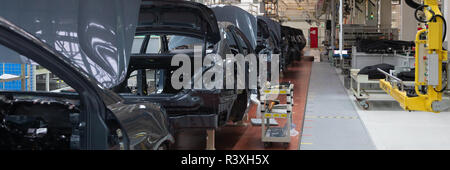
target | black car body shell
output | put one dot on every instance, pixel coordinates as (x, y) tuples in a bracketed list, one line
[(244, 21), (273, 28), (269, 41), (178, 17), (143, 125), (292, 45), (187, 108)]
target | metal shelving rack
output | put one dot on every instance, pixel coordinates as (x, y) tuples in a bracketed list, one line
[(17, 75), (280, 134), (271, 9)]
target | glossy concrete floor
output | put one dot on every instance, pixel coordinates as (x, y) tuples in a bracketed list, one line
[(249, 137), (331, 121), (392, 128), (385, 123)]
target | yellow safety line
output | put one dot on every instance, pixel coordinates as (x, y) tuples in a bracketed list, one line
[(306, 143), (331, 117)]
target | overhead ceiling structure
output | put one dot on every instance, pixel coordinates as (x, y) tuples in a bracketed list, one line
[(322, 7), (283, 10), (297, 10), (271, 9)]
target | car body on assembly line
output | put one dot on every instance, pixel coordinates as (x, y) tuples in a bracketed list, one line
[(87, 44), (168, 28), (269, 40), (293, 42)]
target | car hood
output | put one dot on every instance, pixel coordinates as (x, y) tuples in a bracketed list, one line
[(245, 21), (178, 17), (95, 36)]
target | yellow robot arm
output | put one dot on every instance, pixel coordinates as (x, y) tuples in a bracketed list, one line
[(429, 56)]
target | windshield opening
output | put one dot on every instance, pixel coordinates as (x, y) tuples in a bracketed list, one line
[(166, 44)]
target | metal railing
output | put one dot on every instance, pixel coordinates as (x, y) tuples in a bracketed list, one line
[(389, 76)]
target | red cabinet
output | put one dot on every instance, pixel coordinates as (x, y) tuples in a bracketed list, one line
[(313, 37)]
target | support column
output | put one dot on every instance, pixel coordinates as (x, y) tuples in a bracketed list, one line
[(353, 12), (22, 77), (33, 87), (372, 9), (333, 24), (446, 13), (47, 81), (210, 139), (408, 27), (385, 15), (341, 28)]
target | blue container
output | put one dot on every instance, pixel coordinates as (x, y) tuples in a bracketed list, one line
[(14, 69)]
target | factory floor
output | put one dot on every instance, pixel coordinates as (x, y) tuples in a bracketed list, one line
[(334, 120), (328, 118), (392, 128), (387, 125), (331, 120), (238, 137)]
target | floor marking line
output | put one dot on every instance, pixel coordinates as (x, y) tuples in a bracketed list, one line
[(332, 117)]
